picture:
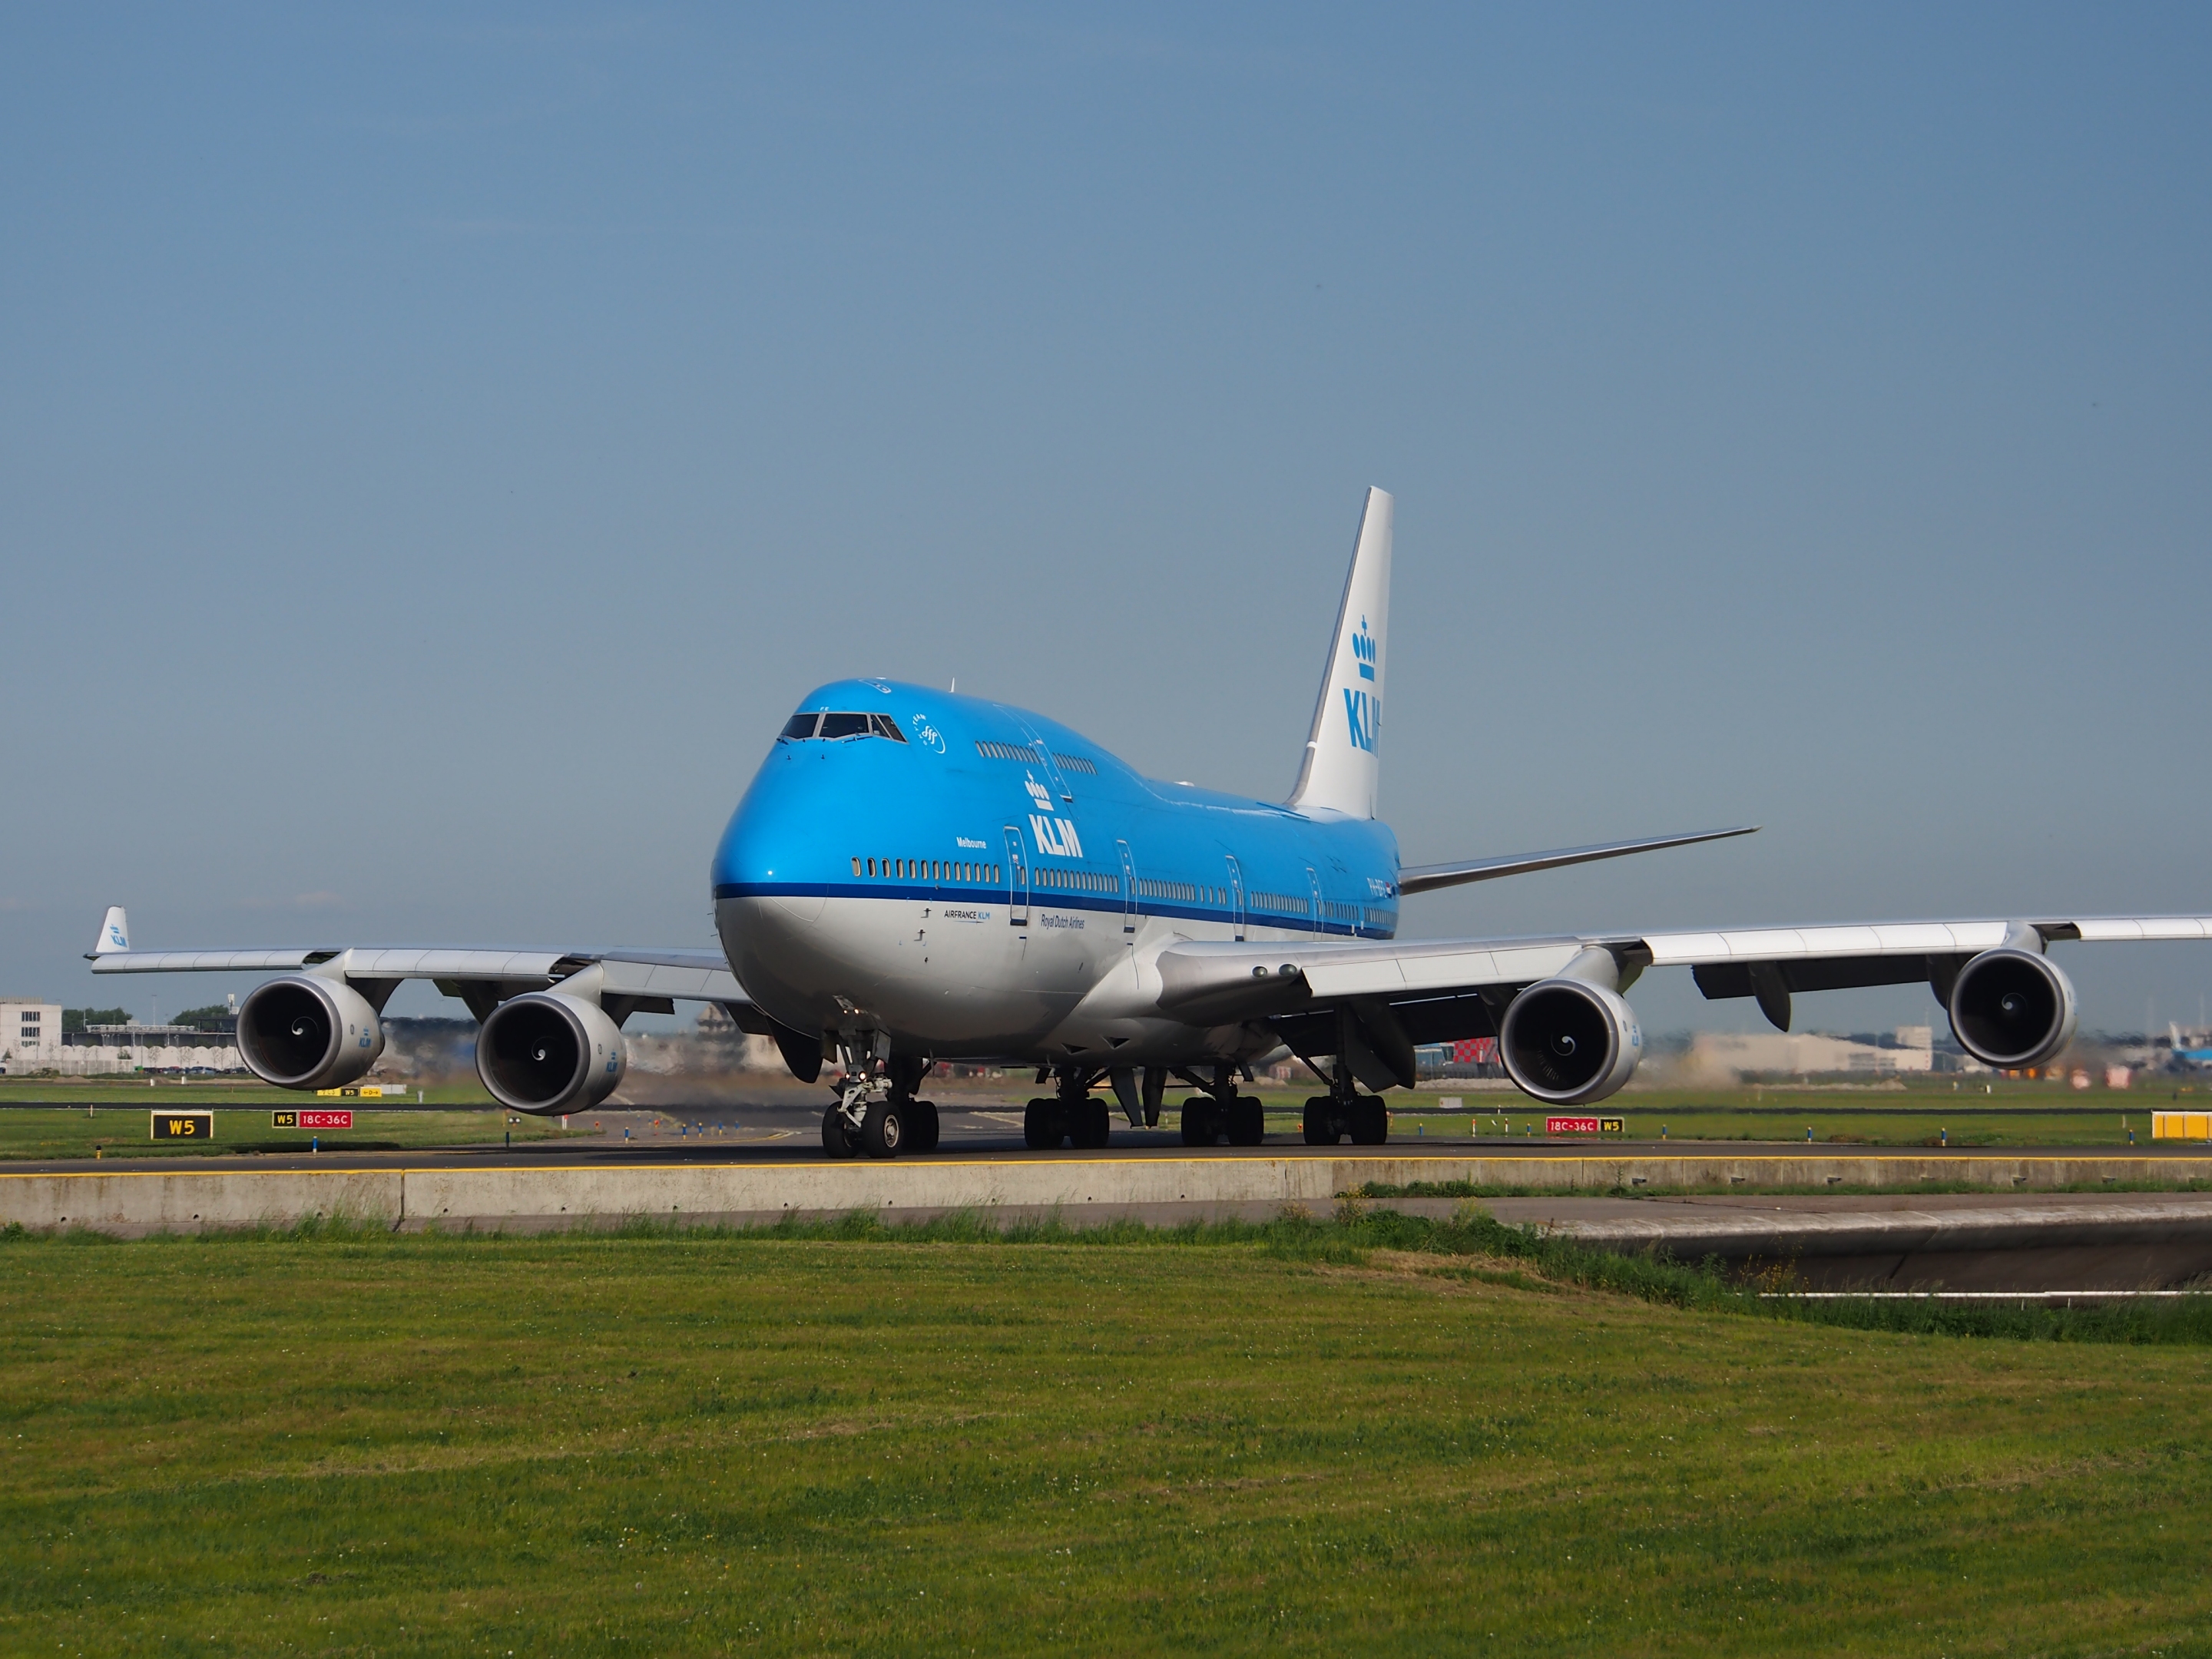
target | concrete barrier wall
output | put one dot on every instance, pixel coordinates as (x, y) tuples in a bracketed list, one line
[(179, 1200)]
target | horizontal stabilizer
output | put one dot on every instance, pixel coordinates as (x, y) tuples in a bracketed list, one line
[(1421, 878)]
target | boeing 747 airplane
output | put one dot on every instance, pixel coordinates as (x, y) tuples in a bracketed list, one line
[(915, 877)]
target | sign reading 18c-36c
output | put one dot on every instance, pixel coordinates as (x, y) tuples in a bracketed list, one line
[(183, 1126), (310, 1119)]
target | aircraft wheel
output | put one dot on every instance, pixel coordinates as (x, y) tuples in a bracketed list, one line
[(1198, 1121), (836, 1139), (922, 1128), (1248, 1122), (1041, 1130), (1094, 1125), (1370, 1123), (1320, 1121), (883, 1133)]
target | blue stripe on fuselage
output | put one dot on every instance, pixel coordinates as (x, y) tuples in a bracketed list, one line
[(1043, 898)]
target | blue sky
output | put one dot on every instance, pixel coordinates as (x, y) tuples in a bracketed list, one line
[(437, 446)]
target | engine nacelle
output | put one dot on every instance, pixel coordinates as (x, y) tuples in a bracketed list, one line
[(307, 1032), (1567, 1042), (2011, 1008), (546, 1053)]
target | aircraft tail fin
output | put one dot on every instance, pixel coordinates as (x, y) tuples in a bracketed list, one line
[(114, 934), (1338, 774)]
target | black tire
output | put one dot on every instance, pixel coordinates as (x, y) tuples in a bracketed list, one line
[(837, 1140), (922, 1128), (1199, 1125), (1095, 1126), (1320, 1121), (1370, 1123), (1041, 1131), (1248, 1122), (883, 1132)]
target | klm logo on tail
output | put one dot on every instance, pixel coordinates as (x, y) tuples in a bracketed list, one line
[(1363, 648), (1363, 714)]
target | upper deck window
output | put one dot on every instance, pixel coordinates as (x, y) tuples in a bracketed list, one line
[(824, 726)]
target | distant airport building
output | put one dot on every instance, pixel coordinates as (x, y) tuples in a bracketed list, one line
[(30, 1034), (100, 1051), (34, 1037)]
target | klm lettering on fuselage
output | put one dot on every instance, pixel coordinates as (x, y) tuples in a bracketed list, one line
[(1055, 836)]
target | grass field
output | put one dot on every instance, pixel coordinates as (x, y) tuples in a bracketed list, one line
[(219, 1093), (1366, 1435), (30, 1132)]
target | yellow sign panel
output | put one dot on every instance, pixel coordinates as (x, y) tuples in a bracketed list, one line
[(183, 1126), (2181, 1126)]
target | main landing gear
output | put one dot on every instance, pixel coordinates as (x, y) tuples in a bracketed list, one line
[(1345, 1111), (1071, 1117), (876, 1111), (1221, 1113)]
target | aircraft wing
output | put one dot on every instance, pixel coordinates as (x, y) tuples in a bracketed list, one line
[(1426, 877), (1439, 990), (647, 980)]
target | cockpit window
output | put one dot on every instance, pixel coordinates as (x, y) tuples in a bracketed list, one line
[(824, 726)]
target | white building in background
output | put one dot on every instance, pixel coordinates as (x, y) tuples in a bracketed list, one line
[(1795, 1054), (103, 1050), (30, 1035)]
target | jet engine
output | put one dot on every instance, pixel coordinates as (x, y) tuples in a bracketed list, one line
[(546, 1053), (1567, 1041), (305, 1032), (2011, 1007)]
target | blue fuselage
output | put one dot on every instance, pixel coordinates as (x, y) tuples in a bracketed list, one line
[(973, 879)]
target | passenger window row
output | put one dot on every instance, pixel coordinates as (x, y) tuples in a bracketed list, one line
[(1082, 881), (1183, 890), (957, 870), (1014, 752), (823, 726)]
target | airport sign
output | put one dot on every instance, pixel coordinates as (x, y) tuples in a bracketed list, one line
[(183, 1126), (299, 1120), (1584, 1126)]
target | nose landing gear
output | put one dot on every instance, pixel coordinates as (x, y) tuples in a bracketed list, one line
[(876, 1111)]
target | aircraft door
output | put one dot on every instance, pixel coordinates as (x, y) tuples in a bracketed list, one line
[(1237, 896), (1313, 893), (1017, 879), (1128, 888)]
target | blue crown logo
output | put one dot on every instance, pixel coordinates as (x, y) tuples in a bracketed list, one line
[(1363, 648)]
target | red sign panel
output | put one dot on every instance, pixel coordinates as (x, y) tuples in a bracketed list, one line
[(326, 1119), (1583, 1126), (1474, 1051)]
